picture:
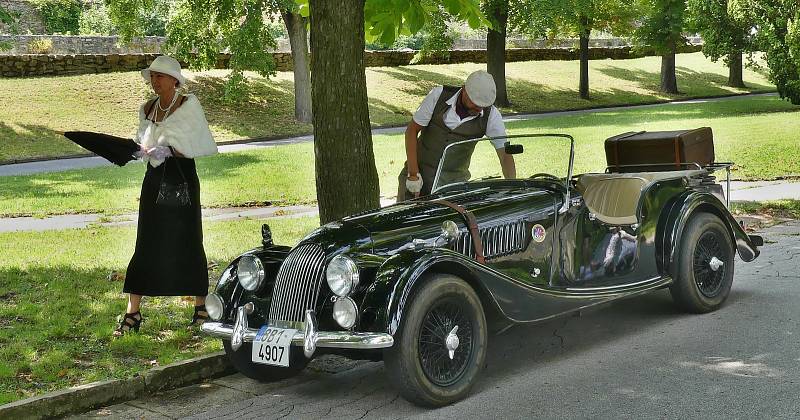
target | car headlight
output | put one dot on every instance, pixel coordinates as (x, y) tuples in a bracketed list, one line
[(344, 312), (214, 306), (342, 275), (250, 272)]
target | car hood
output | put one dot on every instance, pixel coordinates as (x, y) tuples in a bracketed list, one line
[(398, 224)]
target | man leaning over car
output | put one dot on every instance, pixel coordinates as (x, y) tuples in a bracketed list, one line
[(449, 114)]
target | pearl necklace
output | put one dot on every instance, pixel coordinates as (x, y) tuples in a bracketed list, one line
[(169, 107)]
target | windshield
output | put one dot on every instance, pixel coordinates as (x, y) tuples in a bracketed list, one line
[(539, 156)]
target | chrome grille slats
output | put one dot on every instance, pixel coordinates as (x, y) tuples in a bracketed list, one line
[(498, 240), (297, 284)]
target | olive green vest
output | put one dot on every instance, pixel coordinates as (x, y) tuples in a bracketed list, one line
[(435, 137)]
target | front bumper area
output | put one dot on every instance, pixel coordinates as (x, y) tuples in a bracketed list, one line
[(310, 338)]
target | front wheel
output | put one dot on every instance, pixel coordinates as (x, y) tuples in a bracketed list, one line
[(241, 359), (705, 265), (441, 345)]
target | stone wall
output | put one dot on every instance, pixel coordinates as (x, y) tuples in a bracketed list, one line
[(29, 20), (64, 44), (29, 65)]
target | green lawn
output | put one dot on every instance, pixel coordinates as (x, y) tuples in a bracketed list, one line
[(57, 309), (758, 133), (35, 109)]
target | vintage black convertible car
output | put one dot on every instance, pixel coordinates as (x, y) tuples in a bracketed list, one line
[(421, 284)]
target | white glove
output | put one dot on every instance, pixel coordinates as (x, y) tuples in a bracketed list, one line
[(413, 186), (140, 153), (159, 152)]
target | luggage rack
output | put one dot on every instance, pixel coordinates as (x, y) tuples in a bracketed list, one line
[(710, 168)]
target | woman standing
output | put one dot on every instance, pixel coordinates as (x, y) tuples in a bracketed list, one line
[(169, 259)]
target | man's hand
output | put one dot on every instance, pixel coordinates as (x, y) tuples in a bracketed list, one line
[(414, 184)]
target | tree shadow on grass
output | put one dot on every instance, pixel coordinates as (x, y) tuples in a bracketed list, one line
[(423, 80), (34, 141), (266, 102), (689, 80)]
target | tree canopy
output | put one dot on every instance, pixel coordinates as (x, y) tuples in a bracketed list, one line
[(778, 35)]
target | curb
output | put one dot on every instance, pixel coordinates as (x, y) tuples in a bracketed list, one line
[(83, 398)]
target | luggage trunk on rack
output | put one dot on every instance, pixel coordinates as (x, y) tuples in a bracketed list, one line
[(647, 151)]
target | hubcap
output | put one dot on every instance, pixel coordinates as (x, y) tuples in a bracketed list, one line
[(452, 342), (445, 342), (708, 264)]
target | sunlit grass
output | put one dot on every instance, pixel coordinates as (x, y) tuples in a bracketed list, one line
[(34, 109), (58, 309), (756, 133)]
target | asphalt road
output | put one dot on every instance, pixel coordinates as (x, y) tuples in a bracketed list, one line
[(636, 358)]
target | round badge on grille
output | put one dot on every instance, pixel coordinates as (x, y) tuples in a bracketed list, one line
[(538, 233)]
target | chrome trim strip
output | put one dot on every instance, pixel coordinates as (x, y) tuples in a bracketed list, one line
[(624, 286), (327, 339)]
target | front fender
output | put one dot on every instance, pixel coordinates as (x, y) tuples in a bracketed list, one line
[(681, 211), (399, 276)]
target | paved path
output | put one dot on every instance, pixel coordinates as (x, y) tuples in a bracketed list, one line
[(740, 191), (92, 162), (636, 358)]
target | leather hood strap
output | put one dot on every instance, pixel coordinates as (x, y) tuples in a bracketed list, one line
[(472, 225)]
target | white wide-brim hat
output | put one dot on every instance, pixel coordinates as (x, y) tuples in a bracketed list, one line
[(166, 65), (481, 88)]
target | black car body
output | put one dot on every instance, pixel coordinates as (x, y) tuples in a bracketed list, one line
[(430, 278)]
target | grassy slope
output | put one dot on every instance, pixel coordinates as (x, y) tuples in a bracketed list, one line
[(57, 309), (756, 133), (34, 109)]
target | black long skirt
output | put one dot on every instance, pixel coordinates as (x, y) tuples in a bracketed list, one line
[(169, 259)]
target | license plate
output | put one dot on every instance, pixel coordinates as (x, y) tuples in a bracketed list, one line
[(271, 346)]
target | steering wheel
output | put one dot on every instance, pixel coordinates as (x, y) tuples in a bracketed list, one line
[(545, 176)]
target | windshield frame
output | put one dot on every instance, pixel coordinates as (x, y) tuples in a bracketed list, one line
[(437, 187)]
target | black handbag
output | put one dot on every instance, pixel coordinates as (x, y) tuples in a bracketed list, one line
[(173, 195)]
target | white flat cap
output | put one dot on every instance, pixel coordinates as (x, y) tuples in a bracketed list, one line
[(481, 88), (167, 65)]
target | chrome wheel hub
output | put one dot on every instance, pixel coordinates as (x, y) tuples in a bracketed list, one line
[(715, 263), (451, 342)]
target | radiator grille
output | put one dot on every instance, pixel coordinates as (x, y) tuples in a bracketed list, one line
[(497, 240), (298, 283)]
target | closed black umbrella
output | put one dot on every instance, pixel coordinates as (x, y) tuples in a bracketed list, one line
[(117, 150)]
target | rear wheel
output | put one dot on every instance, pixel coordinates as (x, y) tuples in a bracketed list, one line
[(705, 265), (441, 345), (241, 359)]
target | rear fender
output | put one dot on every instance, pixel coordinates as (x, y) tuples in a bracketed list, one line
[(682, 210)]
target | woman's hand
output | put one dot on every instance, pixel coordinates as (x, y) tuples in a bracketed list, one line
[(159, 152)]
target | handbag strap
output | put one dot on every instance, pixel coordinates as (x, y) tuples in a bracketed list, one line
[(180, 171)]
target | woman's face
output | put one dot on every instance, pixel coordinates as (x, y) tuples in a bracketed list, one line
[(162, 83)]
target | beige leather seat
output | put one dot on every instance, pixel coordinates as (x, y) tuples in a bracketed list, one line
[(614, 198)]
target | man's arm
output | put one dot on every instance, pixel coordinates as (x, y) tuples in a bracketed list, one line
[(507, 163), (412, 132)]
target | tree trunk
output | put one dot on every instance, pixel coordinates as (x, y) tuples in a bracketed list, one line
[(298, 40), (496, 52), (583, 87), (347, 180), (735, 78), (669, 82)]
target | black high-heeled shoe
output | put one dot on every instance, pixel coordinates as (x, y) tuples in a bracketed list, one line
[(200, 315), (128, 323)]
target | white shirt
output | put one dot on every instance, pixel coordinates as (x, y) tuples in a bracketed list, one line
[(494, 126)]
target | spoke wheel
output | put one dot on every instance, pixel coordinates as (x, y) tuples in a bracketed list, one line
[(707, 274), (434, 353), (703, 272), (440, 345)]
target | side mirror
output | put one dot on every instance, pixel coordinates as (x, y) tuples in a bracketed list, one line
[(513, 149)]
